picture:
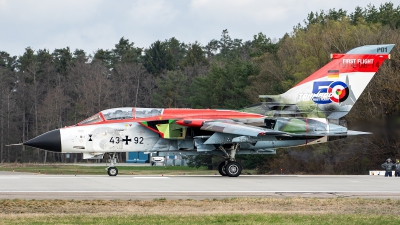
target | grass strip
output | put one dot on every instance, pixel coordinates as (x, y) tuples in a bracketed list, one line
[(163, 206), (224, 211), (270, 218)]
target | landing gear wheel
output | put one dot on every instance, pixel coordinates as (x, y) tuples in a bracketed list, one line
[(112, 171), (233, 169), (221, 169)]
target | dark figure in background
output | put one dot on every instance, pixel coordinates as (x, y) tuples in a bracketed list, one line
[(397, 168), (388, 166)]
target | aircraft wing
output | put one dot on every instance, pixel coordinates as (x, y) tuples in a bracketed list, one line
[(238, 128), (327, 133), (354, 132)]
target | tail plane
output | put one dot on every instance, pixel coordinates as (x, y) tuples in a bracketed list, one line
[(332, 90)]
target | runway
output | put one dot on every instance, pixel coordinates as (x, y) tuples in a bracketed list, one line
[(39, 186)]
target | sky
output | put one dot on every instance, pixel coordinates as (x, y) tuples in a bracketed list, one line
[(99, 24)]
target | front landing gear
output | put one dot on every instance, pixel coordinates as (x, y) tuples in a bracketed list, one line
[(112, 170), (230, 167)]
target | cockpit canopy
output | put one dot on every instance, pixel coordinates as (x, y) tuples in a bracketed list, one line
[(122, 114)]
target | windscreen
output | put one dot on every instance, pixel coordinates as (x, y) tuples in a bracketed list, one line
[(93, 119)]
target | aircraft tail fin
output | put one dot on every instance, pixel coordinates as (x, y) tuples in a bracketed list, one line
[(332, 90)]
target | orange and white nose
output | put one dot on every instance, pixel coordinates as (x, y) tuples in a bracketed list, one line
[(50, 141)]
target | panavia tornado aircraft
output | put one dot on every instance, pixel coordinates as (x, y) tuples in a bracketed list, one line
[(306, 114)]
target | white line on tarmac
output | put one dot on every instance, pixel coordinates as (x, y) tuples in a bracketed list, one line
[(77, 177), (277, 191)]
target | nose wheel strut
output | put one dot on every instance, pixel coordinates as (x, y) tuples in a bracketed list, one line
[(112, 170)]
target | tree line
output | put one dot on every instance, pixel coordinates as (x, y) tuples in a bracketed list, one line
[(43, 90)]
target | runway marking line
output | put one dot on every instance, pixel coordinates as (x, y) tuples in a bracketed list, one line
[(110, 191), (75, 177)]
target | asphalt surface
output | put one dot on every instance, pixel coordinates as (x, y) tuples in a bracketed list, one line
[(39, 186)]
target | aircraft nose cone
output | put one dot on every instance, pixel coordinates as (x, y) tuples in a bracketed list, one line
[(48, 141)]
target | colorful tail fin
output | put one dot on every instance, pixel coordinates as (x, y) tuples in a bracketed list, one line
[(333, 90)]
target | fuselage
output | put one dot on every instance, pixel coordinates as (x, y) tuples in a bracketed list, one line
[(172, 130)]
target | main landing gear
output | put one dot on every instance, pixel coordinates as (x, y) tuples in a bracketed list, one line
[(230, 167), (112, 170)]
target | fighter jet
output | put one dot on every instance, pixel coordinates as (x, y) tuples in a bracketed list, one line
[(306, 114)]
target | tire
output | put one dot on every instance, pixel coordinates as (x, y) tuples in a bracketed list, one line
[(221, 169), (112, 171), (233, 169)]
